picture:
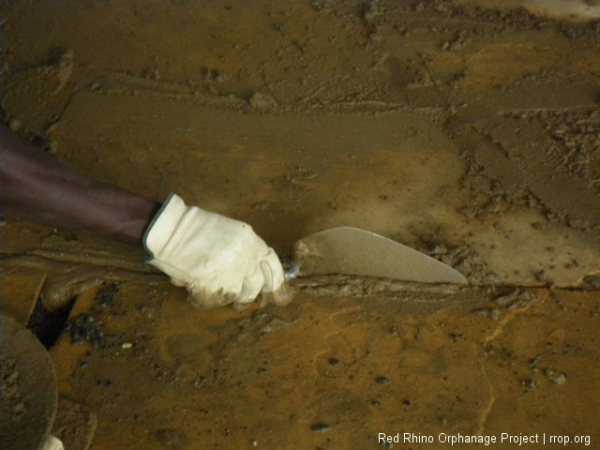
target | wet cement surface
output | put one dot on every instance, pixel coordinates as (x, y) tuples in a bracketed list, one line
[(333, 371), (466, 133)]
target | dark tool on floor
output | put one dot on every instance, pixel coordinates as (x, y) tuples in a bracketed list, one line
[(28, 393)]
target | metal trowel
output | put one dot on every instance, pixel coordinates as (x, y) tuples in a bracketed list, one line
[(352, 251)]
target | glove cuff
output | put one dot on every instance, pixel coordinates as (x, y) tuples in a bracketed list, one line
[(163, 225)]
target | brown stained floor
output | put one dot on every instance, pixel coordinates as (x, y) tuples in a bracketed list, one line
[(469, 134), (334, 372)]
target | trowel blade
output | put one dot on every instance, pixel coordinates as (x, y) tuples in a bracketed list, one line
[(352, 251)]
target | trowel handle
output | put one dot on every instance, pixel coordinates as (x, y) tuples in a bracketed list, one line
[(292, 273)]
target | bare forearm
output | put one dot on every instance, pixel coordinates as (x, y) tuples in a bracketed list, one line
[(36, 187)]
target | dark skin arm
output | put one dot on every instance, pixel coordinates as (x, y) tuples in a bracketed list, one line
[(36, 187)]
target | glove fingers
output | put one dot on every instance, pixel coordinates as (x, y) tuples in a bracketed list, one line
[(272, 271), (200, 296), (275, 289), (281, 297), (268, 278), (251, 287), (242, 297)]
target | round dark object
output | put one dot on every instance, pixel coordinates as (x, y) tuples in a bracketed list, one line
[(28, 392)]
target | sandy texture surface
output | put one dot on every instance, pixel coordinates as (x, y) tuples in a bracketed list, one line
[(334, 370), (467, 133)]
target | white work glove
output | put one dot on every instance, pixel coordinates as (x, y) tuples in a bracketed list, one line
[(219, 260), (51, 443)]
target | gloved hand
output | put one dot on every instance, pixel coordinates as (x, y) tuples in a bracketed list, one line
[(51, 443), (219, 260)]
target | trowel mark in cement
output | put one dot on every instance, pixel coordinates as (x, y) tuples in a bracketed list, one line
[(396, 174)]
